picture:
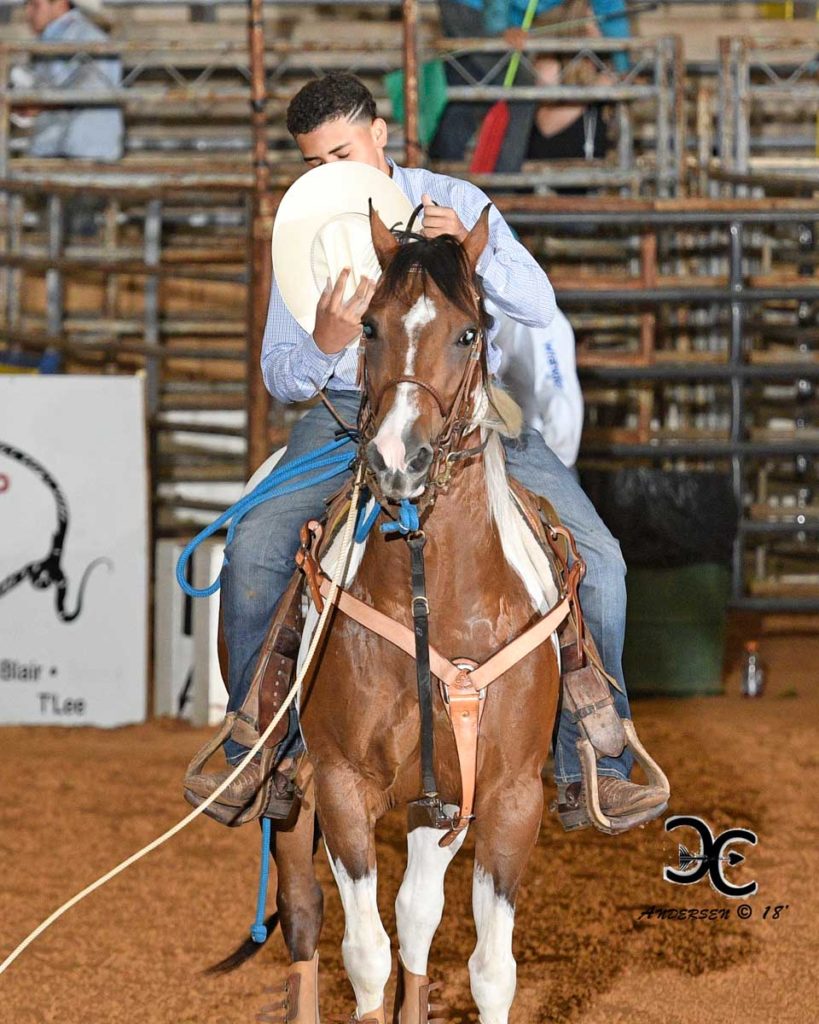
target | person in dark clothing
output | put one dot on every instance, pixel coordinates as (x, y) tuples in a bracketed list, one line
[(483, 18), (569, 131)]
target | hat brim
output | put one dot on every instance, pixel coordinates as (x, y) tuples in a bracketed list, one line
[(321, 199)]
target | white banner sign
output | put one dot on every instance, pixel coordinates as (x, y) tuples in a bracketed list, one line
[(73, 550)]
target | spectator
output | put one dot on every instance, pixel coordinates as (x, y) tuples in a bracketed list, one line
[(482, 18), (83, 133), (568, 131)]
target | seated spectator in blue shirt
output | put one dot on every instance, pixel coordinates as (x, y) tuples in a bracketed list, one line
[(83, 132), (483, 18)]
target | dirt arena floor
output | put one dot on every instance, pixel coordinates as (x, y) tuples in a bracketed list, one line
[(76, 801)]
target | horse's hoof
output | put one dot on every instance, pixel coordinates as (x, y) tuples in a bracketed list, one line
[(373, 1017)]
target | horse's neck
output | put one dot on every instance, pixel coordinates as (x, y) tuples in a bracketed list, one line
[(463, 517), (478, 529), (461, 536)]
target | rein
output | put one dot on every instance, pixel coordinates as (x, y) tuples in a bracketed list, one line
[(458, 419)]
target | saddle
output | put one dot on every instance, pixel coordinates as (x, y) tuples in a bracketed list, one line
[(585, 686)]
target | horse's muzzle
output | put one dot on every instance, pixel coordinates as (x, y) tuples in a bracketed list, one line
[(397, 484)]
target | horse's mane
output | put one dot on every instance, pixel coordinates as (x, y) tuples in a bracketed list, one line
[(443, 261), (503, 414)]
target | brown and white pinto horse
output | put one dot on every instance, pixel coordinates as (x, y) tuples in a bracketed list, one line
[(487, 580)]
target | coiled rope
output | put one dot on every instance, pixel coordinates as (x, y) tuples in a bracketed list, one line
[(278, 483)]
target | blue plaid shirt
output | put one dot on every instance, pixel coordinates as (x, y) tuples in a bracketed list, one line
[(295, 368)]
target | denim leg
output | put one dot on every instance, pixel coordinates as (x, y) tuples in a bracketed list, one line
[(259, 560), (602, 592)]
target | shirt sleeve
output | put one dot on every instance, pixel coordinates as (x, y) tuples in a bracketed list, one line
[(495, 17), (613, 21), (512, 277), (293, 366)]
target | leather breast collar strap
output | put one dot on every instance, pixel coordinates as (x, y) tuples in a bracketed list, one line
[(462, 680)]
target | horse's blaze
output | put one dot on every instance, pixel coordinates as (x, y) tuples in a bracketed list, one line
[(394, 432)]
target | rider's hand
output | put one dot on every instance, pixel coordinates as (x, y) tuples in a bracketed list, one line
[(515, 37), (440, 220), (339, 322)]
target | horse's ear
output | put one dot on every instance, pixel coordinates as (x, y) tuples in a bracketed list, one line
[(475, 242), (384, 241)]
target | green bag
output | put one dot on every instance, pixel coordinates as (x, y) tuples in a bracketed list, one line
[(431, 97)]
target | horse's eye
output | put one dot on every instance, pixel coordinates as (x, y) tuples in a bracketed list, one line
[(368, 330), (468, 337)]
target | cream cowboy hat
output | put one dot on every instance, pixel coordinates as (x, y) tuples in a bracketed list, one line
[(322, 225)]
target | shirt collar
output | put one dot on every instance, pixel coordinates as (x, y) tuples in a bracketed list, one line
[(54, 29)]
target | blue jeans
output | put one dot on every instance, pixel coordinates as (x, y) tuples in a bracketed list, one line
[(259, 564)]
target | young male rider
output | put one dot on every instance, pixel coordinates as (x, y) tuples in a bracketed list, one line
[(335, 118)]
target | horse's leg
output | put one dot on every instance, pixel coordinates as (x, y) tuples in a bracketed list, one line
[(345, 808), (418, 909), (507, 822), (300, 903)]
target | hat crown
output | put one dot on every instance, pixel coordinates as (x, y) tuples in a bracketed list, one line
[(323, 225)]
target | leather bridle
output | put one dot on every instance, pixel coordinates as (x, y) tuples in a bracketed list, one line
[(458, 423)]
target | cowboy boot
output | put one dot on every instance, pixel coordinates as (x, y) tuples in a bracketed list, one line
[(300, 1003), (242, 792), (627, 802), (412, 1005)]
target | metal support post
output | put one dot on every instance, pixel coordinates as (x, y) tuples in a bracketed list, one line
[(413, 155), (735, 359), (54, 277), (151, 254), (260, 230), (5, 113)]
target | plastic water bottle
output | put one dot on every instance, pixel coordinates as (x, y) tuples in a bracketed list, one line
[(753, 671)]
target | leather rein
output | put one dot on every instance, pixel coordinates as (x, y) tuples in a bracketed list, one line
[(458, 422)]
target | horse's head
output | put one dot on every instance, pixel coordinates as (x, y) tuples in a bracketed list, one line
[(425, 367)]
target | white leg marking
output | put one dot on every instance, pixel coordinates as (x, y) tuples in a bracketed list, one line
[(366, 946), (492, 968), (405, 410), (420, 901)]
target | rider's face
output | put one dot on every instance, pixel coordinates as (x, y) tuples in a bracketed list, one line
[(40, 13), (342, 139)]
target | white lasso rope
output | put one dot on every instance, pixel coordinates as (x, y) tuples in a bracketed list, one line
[(338, 576)]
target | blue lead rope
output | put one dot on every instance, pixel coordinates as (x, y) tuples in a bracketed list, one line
[(407, 519), (258, 930), (277, 484)]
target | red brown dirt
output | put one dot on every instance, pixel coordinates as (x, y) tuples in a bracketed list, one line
[(76, 801)]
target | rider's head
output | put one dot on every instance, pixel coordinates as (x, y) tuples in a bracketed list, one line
[(334, 118), (40, 13)]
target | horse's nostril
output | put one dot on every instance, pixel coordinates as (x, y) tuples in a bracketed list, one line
[(420, 462), (375, 458)]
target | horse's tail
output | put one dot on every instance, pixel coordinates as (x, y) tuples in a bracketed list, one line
[(67, 616), (244, 952)]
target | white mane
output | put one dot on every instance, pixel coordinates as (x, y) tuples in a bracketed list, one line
[(497, 414)]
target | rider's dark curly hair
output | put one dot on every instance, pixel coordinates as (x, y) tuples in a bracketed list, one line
[(326, 99)]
